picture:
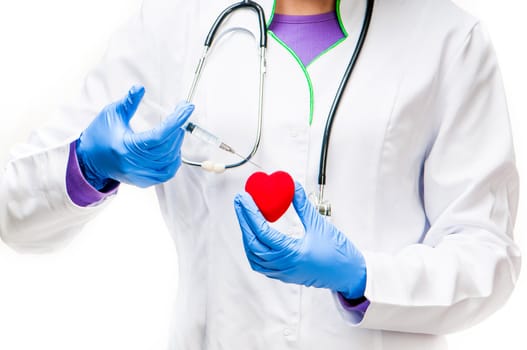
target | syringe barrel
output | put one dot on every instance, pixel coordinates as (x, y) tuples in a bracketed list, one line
[(202, 134)]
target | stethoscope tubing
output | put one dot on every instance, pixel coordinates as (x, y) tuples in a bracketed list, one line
[(340, 91), (263, 46), (229, 10), (262, 71)]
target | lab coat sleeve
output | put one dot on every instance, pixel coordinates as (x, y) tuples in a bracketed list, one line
[(467, 264), (36, 213)]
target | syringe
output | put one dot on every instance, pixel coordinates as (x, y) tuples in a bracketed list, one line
[(199, 132), (207, 137)]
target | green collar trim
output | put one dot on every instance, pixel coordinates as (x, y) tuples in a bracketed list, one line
[(297, 59), (304, 70)]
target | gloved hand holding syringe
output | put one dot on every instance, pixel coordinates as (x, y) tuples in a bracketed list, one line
[(197, 131)]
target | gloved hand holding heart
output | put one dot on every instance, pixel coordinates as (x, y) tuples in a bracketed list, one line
[(323, 257), (272, 193)]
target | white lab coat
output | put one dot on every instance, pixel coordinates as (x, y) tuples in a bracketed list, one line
[(421, 173)]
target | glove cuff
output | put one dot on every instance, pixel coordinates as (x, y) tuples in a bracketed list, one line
[(100, 183)]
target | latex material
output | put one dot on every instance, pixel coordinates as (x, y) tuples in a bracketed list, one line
[(323, 258), (110, 150)]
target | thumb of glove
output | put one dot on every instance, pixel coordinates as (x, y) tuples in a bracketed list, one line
[(306, 211), (128, 106), (169, 127)]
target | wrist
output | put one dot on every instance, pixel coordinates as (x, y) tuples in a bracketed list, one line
[(353, 302), (356, 286), (99, 182)]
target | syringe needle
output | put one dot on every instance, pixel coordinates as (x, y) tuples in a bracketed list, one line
[(229, 149), (250, 161)]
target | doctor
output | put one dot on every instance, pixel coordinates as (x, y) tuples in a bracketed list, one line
[(421, 173)]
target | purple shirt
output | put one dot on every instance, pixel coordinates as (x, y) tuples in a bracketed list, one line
[(307, 36), (356, 310), (79, 189)]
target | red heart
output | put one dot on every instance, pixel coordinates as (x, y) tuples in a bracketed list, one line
[(272, 193)]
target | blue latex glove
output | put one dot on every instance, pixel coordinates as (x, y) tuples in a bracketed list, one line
[(109, 150), (323, 258)]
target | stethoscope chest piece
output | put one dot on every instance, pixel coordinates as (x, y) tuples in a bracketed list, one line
[(323, 206)]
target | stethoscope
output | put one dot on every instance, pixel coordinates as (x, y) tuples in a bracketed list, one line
[(323, 206)]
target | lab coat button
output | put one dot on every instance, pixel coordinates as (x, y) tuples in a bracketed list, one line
[(287, 332)]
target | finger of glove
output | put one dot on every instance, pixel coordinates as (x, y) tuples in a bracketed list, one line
[(267, 235), (250, 242), (259, 253), (269, 265), (286, 276), (142, 175), (256, 263), (163, 153), (170, 147), (256, 251), (259, 266), (168, 171), (136, 158), (157, 142), (128, 105), (139, 179), (270, 256), (170, 130), (165, 168), (145, 179), (279, 260)]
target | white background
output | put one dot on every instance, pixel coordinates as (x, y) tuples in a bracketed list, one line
[(114, 286)]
